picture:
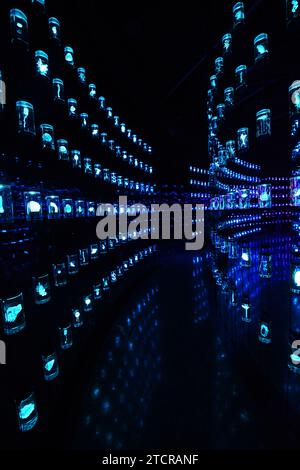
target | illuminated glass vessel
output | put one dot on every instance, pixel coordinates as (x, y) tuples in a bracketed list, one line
[(264, 196), (33, 205), (54, 29), (263, 123), (53, 207), (18, 26), (72, 107), (261, 47), (69, 56), (67, 208), (229, 96), (219, 66), (66, 337), (25, 117), (42, 63), (59, 274), (63, 149), (6, 203), (27, 413), (47, 136), (81, 74), (58, 89), (227, 43), (76, 158), (295, 190), (13, 314), (292, 9), (231, 148), (77, 318), (243, 139), (92, 91), (238, 11), (41, 289), (294, 94), (50, 367), (241, 76)]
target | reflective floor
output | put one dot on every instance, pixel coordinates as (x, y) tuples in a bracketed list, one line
[(174, 374)]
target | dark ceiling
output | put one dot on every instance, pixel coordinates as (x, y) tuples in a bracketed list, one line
[(151, 63)]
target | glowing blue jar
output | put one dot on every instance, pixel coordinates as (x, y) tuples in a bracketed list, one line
[(13, 314), (221, 111), (87, 303), (79, 208), (76, 158), (25, 118), (101, 102), (295, 273), (47, 137), (261, 47), (243, 139), (219, 66), (77, 320), (27, 413), (92, 91), (63, 149), (88, 166), (238, 12), (53, 207), (213, 82), (231, 148), (81, 74), (50, 367), (54, 29), (95, 131), (227, 43), (41, 63), (67, 208), (292, 9), (72, 107), (229, 97), (41, 289), (294, 95), (58, 89), (69, 56), (244, 198), (84, 120), (18, 26), (263, 123), (66, 337), (6, 203), (97, 170), (264, 195), (72, 264), (241, 76), (295, 190), (33, 205)]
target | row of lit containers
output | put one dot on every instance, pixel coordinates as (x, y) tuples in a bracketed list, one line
[(14, 316), (26, 126), (19, 34), (37, 206)]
